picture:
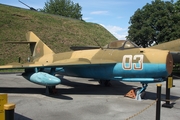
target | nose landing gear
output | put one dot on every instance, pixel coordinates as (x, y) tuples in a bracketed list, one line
[(140, 92), (137, 93)]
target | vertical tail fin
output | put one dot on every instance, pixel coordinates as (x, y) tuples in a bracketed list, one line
[(37, 47), (172, 46)]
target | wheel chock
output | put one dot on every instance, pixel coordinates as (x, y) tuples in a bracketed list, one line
[(131, 94)]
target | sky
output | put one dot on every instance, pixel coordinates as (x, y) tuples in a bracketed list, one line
[(114, 15)]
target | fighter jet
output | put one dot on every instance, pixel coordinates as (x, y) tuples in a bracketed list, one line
[(128, 64)]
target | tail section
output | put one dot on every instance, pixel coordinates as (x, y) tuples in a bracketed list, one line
[(37, 47), (172, 46)]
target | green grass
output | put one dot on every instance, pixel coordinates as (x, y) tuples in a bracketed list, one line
[(58, 32)]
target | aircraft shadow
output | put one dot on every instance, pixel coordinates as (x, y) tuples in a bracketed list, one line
[(116, 88), (32, 91), (80, 88), (20, 117)]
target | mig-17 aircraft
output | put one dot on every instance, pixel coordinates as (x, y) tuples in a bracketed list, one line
[(128, 64)]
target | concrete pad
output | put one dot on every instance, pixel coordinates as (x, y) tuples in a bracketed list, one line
[(85, 99)]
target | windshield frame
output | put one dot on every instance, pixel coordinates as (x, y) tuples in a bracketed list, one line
[(122, 47)]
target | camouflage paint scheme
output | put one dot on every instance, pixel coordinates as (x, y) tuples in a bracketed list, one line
[(131, 64), (173, 47)]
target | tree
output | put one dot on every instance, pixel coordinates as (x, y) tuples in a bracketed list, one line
[(156, 22), (65, 8)]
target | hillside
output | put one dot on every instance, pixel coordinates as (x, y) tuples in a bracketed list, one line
[(58, 32)]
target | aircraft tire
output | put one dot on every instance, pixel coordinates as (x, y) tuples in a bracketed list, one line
[(105, 83)]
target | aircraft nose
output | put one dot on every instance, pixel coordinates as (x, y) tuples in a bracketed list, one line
[(169, 63)]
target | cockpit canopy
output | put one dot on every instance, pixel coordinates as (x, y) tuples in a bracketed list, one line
[(121, 44), (118, 44)]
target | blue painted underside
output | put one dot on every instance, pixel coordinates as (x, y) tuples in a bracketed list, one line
[(149, 73)]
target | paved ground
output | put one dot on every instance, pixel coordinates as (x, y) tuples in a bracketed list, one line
[(84, 99)]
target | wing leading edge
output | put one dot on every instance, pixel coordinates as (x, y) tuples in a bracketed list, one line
[(60, 63)]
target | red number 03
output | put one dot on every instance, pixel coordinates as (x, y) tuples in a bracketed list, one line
[(129, 62)]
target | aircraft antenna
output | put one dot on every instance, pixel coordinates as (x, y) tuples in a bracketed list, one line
[(31, 8), (98, 44)]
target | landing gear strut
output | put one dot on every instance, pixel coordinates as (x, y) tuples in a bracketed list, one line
[(51, 90), (140, 92), (105, 83)]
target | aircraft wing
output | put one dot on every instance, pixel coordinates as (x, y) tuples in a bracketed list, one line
[(60, 63)]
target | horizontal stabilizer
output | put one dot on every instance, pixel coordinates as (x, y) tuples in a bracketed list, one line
[(21, 66), (11, 65), (21, 42)]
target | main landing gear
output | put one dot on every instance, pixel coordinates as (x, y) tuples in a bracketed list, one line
[(105, 83), (51, 90)]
